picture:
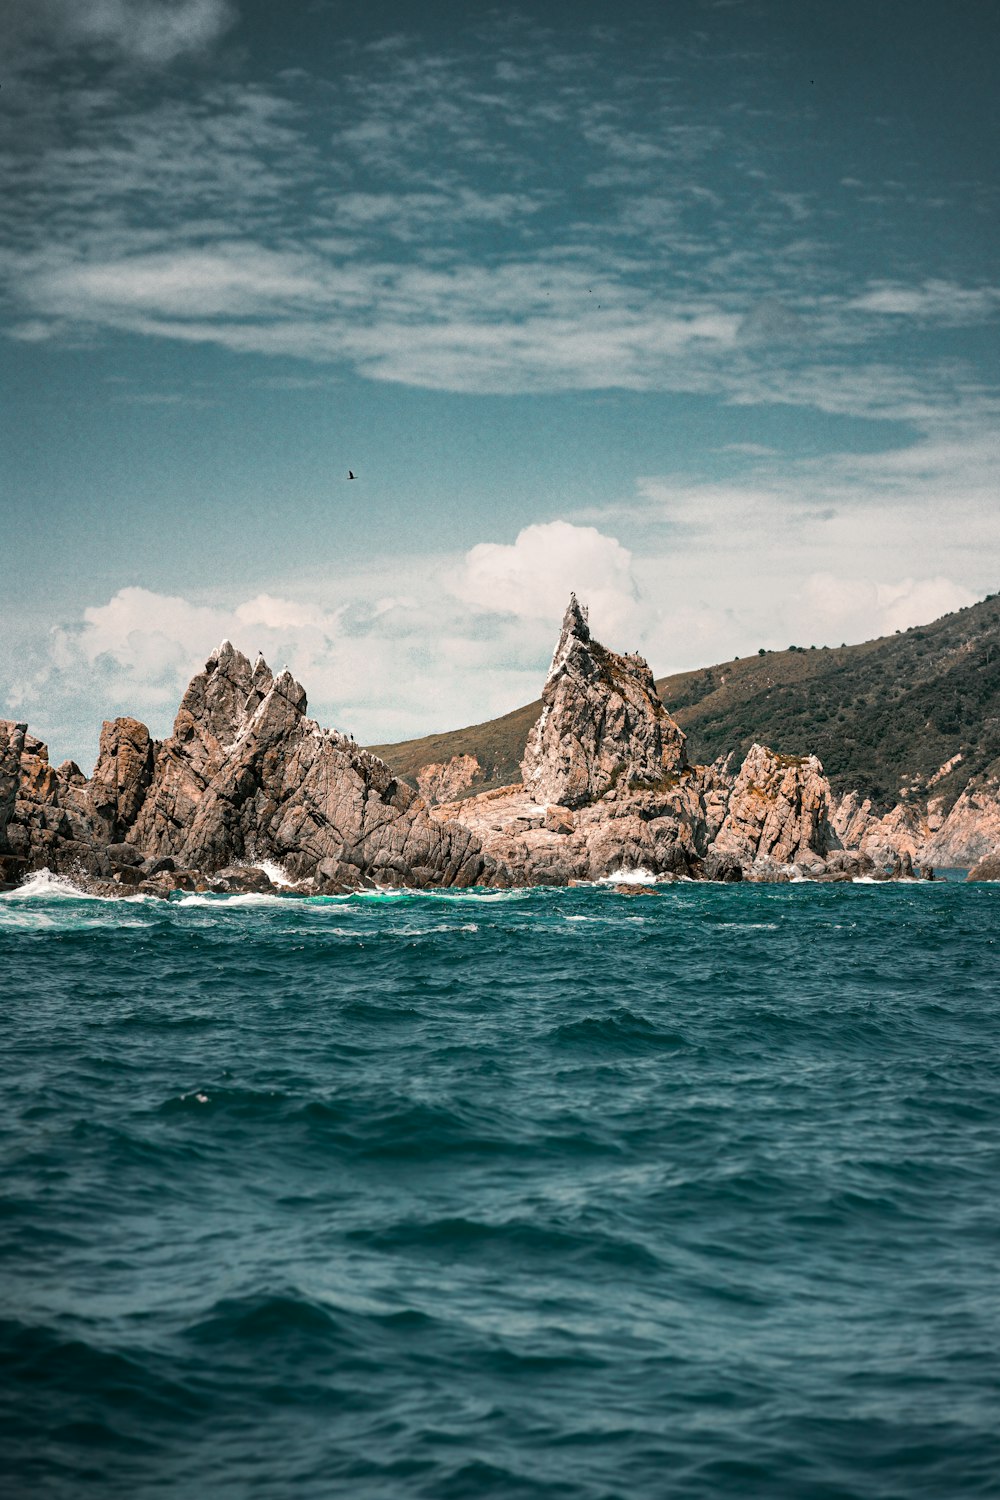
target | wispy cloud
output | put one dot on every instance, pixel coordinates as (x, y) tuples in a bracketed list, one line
[(144, 31), (433, 218)]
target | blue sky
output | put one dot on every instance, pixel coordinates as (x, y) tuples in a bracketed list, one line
[(691, 307)]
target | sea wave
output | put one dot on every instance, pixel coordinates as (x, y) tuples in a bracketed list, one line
[(442, 1195)]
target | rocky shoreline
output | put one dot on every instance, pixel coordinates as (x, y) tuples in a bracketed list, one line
[(248, 784)]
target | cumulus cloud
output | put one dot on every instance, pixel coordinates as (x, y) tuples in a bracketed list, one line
[(458, 639), (859, 608), (533, 576)]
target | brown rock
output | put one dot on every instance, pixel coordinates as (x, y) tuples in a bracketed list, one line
[(247, 776), (559, 819), (443, 781), (971, 831), (46, 817), (122, 775), (601, 726), (778, 810), (986, 869)]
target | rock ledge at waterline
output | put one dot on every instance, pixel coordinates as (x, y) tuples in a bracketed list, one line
[(247, 780)]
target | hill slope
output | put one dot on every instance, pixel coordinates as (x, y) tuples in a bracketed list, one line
[(882, 716)]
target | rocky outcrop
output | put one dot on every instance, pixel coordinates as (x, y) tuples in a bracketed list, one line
[(986, 869), (608, 789), (444, 781), (666, 831), (882, 837), (971, 830), (247, 776), (124, 770), (46, 816), (778, 811), (602, 725)]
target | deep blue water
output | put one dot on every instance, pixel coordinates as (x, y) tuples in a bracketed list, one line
[(550, 1193)]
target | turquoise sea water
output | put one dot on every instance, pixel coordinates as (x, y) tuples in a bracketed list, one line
[(514, 1194)]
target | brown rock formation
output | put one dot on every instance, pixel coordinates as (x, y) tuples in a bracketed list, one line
[(46, 816), (858, 826), (122, 775), (601, 726), (778, 811), (970, 832), (444, 781), (247, 776), (607, 785)]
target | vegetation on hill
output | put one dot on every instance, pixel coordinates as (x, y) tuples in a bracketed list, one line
[(883, 717)]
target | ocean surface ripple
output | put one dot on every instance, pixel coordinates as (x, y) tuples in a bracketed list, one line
[(502, 1194)]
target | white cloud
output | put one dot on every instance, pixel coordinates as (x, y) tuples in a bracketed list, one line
[(153, 32), (859, 609), (932, 301), (533, 576), (464, 639)]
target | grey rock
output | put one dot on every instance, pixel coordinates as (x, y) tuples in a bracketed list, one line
[(247, 776), (722, 866), (602, 724), (243, 880), (124, 854)]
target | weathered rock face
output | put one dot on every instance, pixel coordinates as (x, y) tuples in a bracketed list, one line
[(443, 781), (857, 826), (46, 816), (664, 831), (778, 810), (247, 776), (121, 778), (970, 832), (986, 869), (602, 724)]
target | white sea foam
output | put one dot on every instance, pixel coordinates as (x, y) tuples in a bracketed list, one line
[(45, 883), (640, 876), (275, 873), (247, 898)]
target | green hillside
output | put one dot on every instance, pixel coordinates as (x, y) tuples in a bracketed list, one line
[(882, 715)]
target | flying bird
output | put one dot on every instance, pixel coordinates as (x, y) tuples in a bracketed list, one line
[(351, 474)]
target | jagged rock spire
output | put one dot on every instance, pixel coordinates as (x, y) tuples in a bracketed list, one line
[(602, 723)]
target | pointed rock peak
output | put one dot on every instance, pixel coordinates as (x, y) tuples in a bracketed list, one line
[(576, 620), (295, 694), (223, 654), (216, 702), (574, 636), (602, 724)]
